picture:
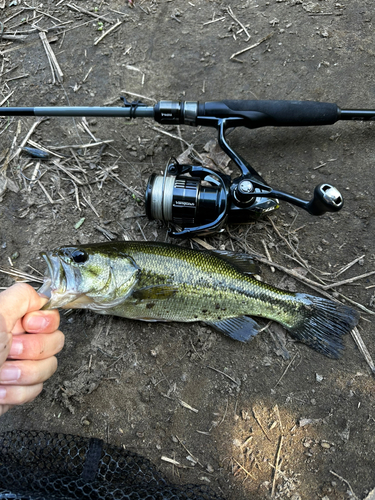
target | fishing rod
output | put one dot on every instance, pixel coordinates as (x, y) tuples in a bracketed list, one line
[(199, 200)]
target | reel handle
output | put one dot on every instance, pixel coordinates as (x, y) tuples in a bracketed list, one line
[(326, 198)]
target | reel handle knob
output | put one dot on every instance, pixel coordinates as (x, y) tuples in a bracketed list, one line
[(326, 199)]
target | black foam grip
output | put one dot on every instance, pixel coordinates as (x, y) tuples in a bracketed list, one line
[(275, 113)]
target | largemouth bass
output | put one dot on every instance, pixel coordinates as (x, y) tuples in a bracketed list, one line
[(154, 281)]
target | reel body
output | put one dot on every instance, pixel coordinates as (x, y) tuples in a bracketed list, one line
[(198, 200)]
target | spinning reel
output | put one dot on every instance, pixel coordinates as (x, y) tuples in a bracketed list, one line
[(198, 200)]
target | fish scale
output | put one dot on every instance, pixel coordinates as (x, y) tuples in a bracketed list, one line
[(154, 281)]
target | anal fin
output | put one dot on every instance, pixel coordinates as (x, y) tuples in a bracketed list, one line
[(241, 328)]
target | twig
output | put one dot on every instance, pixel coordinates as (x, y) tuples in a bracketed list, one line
[(187, 406), (346, 482), (293, 250), (157, 129), (348, 281), (66, 171), (268, 254), (107, 32), (276, 470), (222, 373), (89, 13), (243, 468), (363, 349), (45, 192), (171, 461), (230, 12), (357, 304), (192, 456), (27, 137), (88, 201), (6, 98), (82, 146), (286, 369), (233, 56), (348, 266), (214, 21), (256, 416), (16, 273), (137, 95)]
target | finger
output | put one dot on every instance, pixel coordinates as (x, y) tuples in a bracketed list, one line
[(5, 343), (41, 321), (19, 394), (27, 372), (36, 345), (4, 408), (15, 302)]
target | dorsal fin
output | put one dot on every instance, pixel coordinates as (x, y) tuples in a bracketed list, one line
[(243, 262)]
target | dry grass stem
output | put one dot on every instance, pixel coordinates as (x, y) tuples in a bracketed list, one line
[(230, 12), (276, 469), (346, 482), (88, 12), (348, 266), (82, 146), (37, 122), (46, 192), (285, 371), (42, 148), (18, 275), (259, 422), (363, 349), (187, 406), (348, 281), (189, 452), (108, 32), (140, 96), (268, 255), (160, 130), (66, 171), (234, 56), (55, 67), (214, 20), (222, 373), (243, 469)]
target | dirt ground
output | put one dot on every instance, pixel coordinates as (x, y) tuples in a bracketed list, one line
[(227, 413)]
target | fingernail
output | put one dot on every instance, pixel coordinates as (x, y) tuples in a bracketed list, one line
[(3, 393), (10, 374), (36, 323), (16, 348)]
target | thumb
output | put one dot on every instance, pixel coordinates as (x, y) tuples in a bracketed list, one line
[(15, 302)]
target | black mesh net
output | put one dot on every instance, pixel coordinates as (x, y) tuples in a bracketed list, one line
[(42, 466)]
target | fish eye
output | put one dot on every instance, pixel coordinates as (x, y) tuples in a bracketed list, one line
[(79, 256)]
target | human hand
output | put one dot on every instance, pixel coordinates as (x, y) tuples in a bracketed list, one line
[(29, 339)]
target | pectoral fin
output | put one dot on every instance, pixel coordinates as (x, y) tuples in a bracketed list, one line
[(241, 328)]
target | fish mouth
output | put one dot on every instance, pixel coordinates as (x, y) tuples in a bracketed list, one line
[(60, 284)]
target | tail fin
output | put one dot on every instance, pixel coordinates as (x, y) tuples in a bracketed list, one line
[(321, 324)]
